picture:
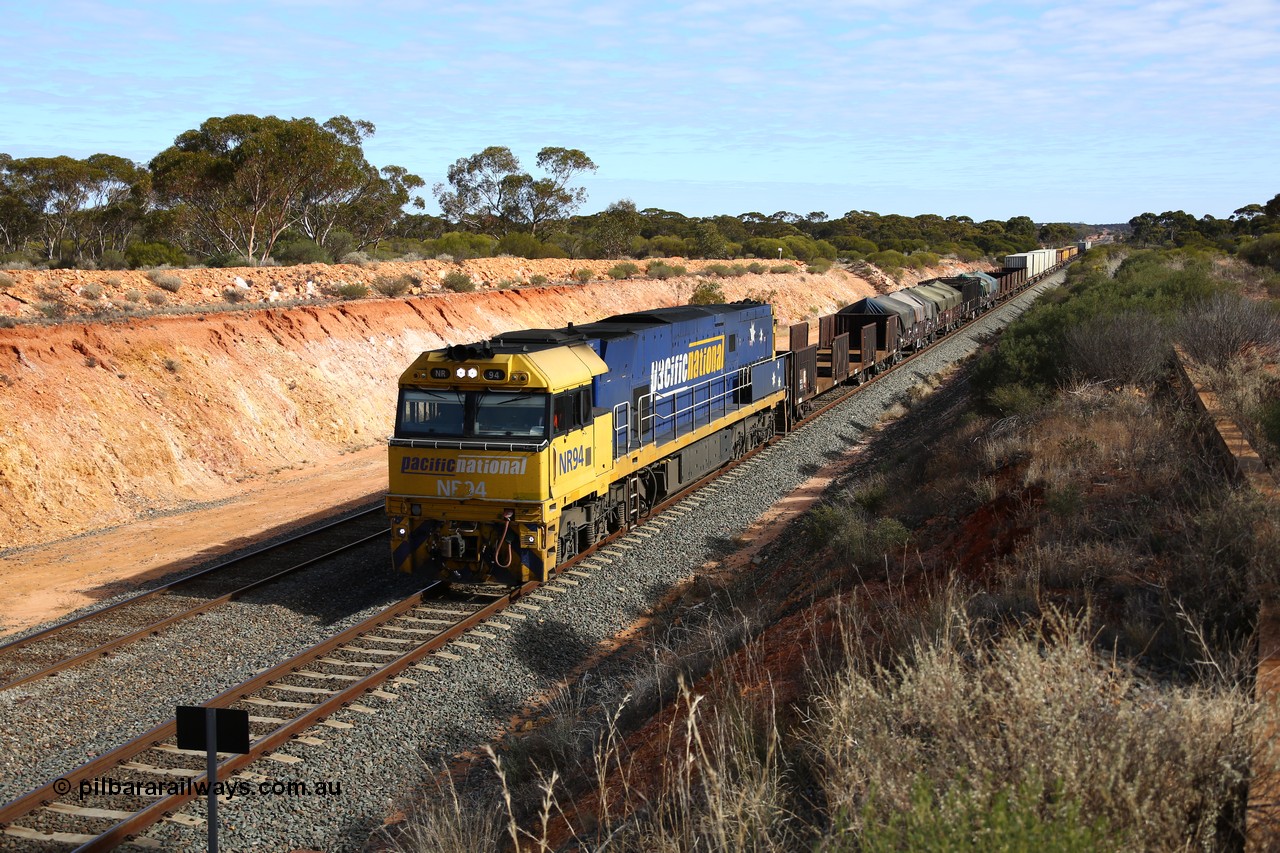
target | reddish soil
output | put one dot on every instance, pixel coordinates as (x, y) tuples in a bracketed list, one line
[(281, 411)]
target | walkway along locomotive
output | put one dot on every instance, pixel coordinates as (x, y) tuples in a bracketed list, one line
[(514, 455)]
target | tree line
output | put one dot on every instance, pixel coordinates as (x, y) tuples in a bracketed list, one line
[(1252, 232), (253, 190)]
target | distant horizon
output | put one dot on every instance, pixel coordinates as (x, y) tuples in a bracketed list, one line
[(1083, 112)]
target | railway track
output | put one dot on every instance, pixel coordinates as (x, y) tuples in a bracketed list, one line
[(88, 807), (114, 627), (288, 702)]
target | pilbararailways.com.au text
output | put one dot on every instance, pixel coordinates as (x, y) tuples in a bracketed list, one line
[(230, 789)]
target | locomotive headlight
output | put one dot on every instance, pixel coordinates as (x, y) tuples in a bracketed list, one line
[(528, 539), (460, 372), (400, 531), (472, 373)]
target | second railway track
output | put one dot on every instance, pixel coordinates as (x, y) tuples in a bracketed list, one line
[(113, 627)]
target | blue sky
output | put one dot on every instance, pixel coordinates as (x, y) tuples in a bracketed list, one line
[(1087, 110)]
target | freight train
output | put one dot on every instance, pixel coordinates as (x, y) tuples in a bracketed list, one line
[(511, 456)]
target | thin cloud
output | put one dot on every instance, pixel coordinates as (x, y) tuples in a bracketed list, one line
[(942, 98)]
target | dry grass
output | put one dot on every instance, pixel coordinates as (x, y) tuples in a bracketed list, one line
[(1248, 389), (1229, 325), (1161, 768), (446, 822), (973, 735)]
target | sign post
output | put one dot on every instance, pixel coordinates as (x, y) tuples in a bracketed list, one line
[(213, 730)]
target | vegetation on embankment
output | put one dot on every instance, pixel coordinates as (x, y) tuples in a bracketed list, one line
[(1118, 328), (1000, 631)]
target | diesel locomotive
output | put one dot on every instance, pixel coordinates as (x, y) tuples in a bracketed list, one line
[(513, 455)]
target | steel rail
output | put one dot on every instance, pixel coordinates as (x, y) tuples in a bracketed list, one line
[(160, 624), (172, 585), (154, 813), (119, 833)]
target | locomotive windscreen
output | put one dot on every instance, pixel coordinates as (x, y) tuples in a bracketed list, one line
[(446, 413)]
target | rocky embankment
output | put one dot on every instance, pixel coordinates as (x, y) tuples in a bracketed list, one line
[(104, 422)]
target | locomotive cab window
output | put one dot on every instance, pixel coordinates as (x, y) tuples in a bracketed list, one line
[(571, 410), (431, 413), (448, 413), (503, 413)]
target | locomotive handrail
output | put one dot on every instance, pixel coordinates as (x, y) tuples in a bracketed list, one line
[(742, 374), (445, 444), (622, 429), (622, 437), (692, 391)]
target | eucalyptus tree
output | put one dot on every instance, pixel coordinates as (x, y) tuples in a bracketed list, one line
[(488, 192), (356, 197), (18, 222), (241, 181), (64, 203), (616, 227), (119, 199)]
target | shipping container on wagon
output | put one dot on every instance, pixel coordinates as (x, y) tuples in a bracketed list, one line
[(1042, 261), (1018, 261)]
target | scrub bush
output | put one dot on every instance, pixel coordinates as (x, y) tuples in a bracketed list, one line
[(458, 282), (624, 270), (165, 280), (392, 285), (707, 293), (351, 290), (662, 270)]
